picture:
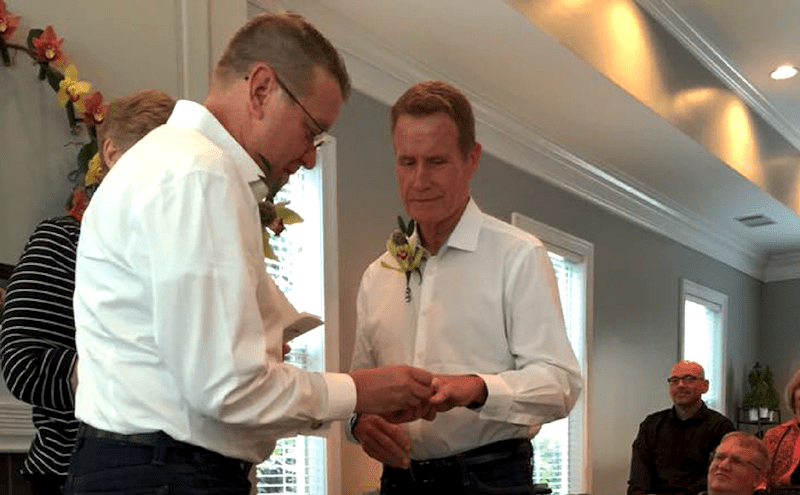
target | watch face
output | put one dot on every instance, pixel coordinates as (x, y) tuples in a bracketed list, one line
[(352, 423)]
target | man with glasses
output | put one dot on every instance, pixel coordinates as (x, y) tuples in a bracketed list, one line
[(671, 451), (179, 327), (738, 465)]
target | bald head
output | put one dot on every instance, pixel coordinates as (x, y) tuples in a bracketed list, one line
[(687, 384)]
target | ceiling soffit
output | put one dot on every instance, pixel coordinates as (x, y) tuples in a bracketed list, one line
[(625, 44)]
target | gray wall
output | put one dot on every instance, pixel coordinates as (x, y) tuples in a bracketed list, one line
[(636, 283), (779, 346)]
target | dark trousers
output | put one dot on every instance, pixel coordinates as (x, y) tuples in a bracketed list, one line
[(502, 468), (150, 463), (45, 484)]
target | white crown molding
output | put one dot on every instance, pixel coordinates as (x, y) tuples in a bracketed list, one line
[(784, 266), (672, 20), (383, 73)]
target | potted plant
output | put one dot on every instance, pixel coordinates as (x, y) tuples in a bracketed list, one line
[(762, 398)]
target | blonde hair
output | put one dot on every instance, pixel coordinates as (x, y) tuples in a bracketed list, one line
[(129, 118), (794, 384)]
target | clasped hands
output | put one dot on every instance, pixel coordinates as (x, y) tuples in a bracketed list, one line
[(397, 394)]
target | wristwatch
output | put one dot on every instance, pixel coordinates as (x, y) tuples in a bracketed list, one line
[(351, 425)]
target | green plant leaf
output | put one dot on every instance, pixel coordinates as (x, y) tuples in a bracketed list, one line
[(401, 224), (32, 34), (54, 77), (86, 153)]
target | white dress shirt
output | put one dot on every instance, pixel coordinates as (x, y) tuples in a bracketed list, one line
[(179, 327), (487, 305)]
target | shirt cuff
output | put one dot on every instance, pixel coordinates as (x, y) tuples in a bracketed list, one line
[(341, 395), (499, 397)]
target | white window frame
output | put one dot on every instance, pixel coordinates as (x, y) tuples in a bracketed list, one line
[(327, 256), (582, 251), (695, 292), (330, 255)]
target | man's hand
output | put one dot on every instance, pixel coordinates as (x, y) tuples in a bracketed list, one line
[(383, 441), (457, 390), (73, 378), (399, 390)]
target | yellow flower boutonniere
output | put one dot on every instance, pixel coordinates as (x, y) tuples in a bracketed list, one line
[(274, 216), (405, 249)]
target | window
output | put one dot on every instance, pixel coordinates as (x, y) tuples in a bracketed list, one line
[(298, 464), (703, 319), (561, 447)]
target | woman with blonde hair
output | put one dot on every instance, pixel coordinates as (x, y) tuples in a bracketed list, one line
[(783, 441)]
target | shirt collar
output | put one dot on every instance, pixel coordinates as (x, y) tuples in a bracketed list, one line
[(190, 114), (468, 229), (259, 188), (700, 415)]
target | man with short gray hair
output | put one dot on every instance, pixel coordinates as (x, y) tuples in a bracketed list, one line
[(739, 465)]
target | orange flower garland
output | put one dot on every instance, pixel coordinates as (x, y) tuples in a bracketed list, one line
[(45, 48)]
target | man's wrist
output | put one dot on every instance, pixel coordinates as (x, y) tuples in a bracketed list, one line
[(481, 400)]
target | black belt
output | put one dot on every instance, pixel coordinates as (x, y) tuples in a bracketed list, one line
[(431, 470), (166, 450)]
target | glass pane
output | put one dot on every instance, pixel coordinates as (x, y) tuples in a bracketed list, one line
[(298, 464), (702, 342), (557, 458)]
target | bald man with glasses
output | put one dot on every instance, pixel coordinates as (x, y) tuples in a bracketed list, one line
[(671, 452)]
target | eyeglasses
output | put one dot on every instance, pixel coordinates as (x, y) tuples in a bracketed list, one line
[(734, 459), (687, 379), (322, 136)]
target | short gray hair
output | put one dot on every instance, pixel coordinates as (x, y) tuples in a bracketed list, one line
[(751, 442), (290, 45)]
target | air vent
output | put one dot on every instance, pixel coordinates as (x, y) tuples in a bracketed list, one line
[(756, 220)]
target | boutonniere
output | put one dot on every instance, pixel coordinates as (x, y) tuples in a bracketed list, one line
[(405, 250), (274, 216)]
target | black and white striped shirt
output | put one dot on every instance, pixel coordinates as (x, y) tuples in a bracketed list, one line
[(37, 341)]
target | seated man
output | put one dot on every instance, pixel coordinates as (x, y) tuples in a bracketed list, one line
[(739, 465), (672, 449)]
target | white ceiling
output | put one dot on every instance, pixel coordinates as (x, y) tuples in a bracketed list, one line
[(541, 106)]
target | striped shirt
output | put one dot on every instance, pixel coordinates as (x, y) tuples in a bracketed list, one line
[(37, 341)]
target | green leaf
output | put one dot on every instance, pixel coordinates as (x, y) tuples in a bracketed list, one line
[(401, 224), (33, 33), (54, 77), (410, 227), (288, 215), (86, 153)]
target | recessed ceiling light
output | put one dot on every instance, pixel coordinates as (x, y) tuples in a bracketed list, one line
[(783, 72)]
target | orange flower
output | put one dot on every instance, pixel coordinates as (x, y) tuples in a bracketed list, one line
[(78, 203), (48, 47), (95, 109), (8, 22)]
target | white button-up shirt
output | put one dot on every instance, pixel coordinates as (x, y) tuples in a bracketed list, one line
[(487, 304), (179, 327)]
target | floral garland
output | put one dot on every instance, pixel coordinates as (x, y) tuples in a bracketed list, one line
[(402, 245), (45, 49)]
